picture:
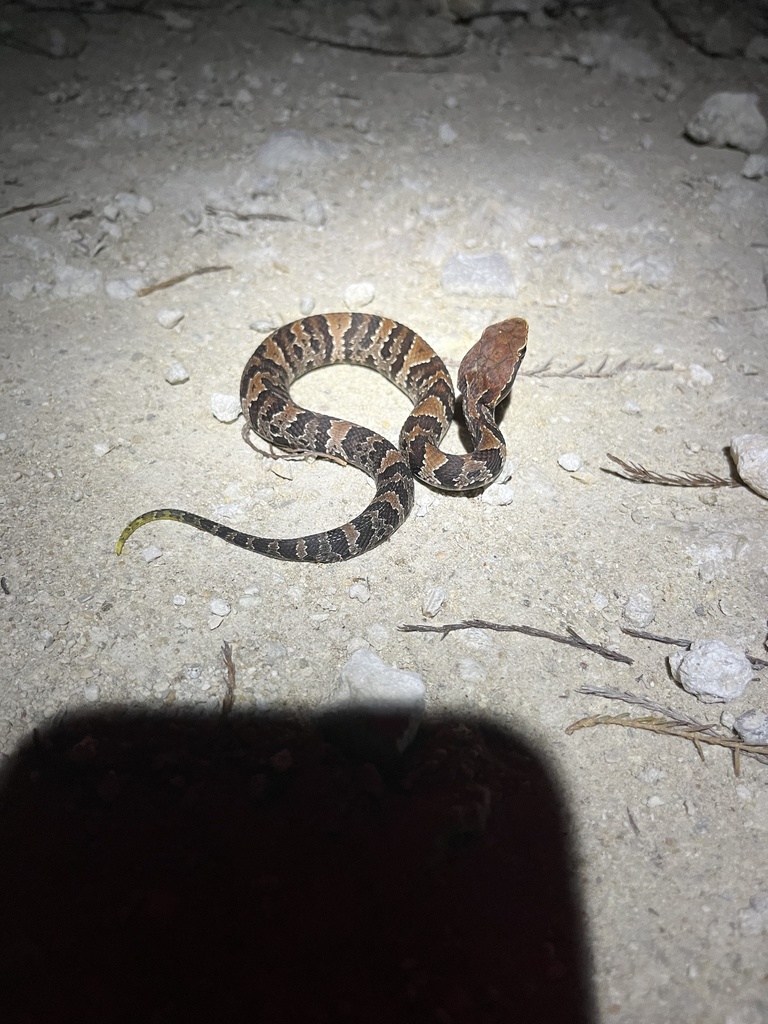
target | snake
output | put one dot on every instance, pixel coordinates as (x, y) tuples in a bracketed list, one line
[(486, 375)]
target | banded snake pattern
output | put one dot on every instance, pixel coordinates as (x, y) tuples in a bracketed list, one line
[(486, 376)]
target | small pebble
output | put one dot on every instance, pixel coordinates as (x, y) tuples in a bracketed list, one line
[(151, 553), (630, 409), (729, 119), (176, 374), (447, 134), (306, 304), (362, 293), (498, 495), (226, 408), (179, 600), (750, 453), (219, 607), (752, 726), (433, 600), (102, 448), (91, 692), (314, 213), (699, 376), (169, 318), (638, 612), (569, 461), (755, 166), (712, 671), (753, 920), (123, 288), (360, 591), (265, 325)]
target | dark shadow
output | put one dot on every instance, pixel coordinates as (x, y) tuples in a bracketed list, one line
[(162, 869)]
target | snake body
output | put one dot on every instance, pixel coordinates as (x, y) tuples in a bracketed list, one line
[(486, 375)]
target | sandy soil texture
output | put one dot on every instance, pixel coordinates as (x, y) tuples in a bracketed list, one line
[(446, 165)]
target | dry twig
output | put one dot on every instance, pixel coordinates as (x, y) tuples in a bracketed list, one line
[(237, 215), (179, 278), (573, 639), (634, 471), (229, 696), (34, 206), (600, 372), (672, 723), (756, 663)]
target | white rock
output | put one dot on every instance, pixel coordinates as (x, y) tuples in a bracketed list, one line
[(729, 119), (226, 408), (294, 150), (219, 607), (750, 453), (569, 461), (151, 553), (367, 682), (360, 591), (432, 601), (168, 318), (123, 287), (699, 376), (638, 612), (362, 293), (447, 134), (478, 274), (177, 374), (752, 726), (498, 494), (712, 671), (74, 282), (755, 166)]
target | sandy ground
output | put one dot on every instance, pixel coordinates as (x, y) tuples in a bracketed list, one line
[(555, 142)]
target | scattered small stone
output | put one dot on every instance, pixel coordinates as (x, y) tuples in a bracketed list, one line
[(360, 591), (755, 166), (377, 707), (478, 274), (265, 325), (360, 294), (729, 119), (600, 602), (753, 920), (123, 288), (569, 461), (214, 621), (699, 376), (631, 409), (102, 448), (447, 134), (752, 726), (179, 600), (498, 495), (131, 204), (219, 607), (638, 612), (226, 408), (750, 453), (151, 553), (451, 102), (177, 374), (712, 671), (432, 601), (290, 149), (169, 318), (74, 282), (91, 692), (314, 213), (306, 304)]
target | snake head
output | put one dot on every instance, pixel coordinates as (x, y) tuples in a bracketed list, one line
[(488, 370)]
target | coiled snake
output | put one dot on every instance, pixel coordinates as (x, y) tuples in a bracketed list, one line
[(486, 375)]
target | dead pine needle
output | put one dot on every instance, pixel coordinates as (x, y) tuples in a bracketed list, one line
[(572, 639), (634, 471), (601, 372), (229, 696), (756, 663), (34, 206), (161, 285), (665, 727)]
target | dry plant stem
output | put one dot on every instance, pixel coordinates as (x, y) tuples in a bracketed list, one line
[(646, 702), (236, 215), (575, 372), (229, 696), (756, 663), (687, 732), (634, 471), (178, 279), (572, 640), (34, 206)]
